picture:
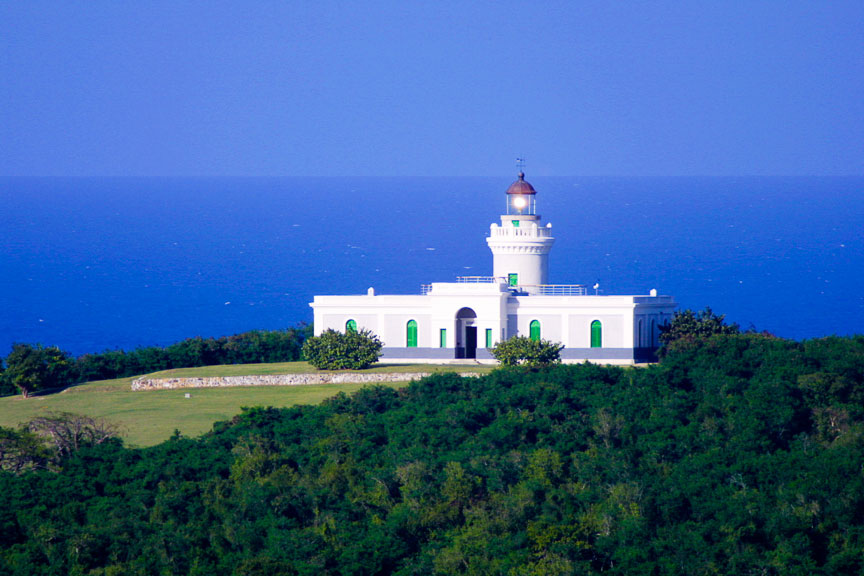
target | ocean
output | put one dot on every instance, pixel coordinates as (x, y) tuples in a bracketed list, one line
[(96, 264)]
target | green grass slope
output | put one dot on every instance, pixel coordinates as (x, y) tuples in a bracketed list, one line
[(149, 417)]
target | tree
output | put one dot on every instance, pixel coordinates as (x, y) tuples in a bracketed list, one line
[(337, 351), (689, 325), (68, 432), (33, 368), (6, 387), (21, 450), (522, 350)]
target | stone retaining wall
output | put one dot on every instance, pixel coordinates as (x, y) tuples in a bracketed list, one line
[(281, 380)]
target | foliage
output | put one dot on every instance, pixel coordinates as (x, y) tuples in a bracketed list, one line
[(688, 325), (66, 433), (255, 346), (21, 450), (34, 367), (6, 387), (45, 441), (522, 350), (740, 454), (342, 351)]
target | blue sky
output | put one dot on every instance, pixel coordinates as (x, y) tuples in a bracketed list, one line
[(322, 88)]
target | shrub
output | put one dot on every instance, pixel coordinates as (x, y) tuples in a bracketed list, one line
[(337, 351), (522, 350), (687, 326)]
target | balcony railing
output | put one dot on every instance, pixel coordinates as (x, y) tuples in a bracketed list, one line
[(537, 289), (527, 232), (556, 289)]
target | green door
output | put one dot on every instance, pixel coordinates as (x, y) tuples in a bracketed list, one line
[(534, 331), (411, 336), (596, 334), (488, 338), (513, 279)]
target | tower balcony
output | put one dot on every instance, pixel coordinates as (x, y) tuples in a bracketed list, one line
[(514, 232)]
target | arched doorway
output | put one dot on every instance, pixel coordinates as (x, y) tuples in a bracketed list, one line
[(466, 333)]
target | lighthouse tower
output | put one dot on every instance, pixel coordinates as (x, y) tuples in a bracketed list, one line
[(520, 245)]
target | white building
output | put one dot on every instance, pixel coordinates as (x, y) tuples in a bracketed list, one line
[(464, 319)]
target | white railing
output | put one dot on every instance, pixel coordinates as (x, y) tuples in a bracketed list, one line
[(425, 289), (477, 279), (556, 289), (527, 232)]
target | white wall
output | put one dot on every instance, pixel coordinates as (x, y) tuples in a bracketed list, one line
[(565, 319)]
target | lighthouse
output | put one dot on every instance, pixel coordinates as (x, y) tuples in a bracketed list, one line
[(520, 245), (464, 320)]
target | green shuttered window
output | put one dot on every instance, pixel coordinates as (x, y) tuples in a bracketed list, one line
[(411, 334), (488, 338), (443, 338), (534, 331), (351, 326), (596, 334)]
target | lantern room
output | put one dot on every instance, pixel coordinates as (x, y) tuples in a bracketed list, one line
[(521, 198)]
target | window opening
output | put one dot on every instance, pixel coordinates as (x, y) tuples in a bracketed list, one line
[(411, 335), (534, 330), (596, 334)]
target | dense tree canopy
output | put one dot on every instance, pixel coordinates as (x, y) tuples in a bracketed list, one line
[(740, 454)]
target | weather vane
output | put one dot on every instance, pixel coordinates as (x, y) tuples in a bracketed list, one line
[(520, 163)]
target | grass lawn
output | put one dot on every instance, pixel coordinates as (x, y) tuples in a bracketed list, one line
[(150, 417)]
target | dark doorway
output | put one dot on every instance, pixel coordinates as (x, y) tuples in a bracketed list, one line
[(470, 342), (466, 333)]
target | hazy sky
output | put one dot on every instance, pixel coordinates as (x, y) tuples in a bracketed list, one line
[(427, 88)]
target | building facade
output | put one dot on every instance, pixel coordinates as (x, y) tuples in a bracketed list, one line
[(462, 320)]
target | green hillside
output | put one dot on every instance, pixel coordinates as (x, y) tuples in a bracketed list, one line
[(149, 417), (739, 454)]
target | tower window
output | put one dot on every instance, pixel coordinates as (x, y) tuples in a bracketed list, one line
[(515, 223), (488, 338), (534, 330), (351, 326), (442, 342), (596, 334), (513, 279), (411, 334)]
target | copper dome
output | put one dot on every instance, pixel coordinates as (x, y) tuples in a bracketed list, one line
[(520, 186)]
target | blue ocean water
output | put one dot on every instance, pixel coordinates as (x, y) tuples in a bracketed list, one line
[(95, 264)]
